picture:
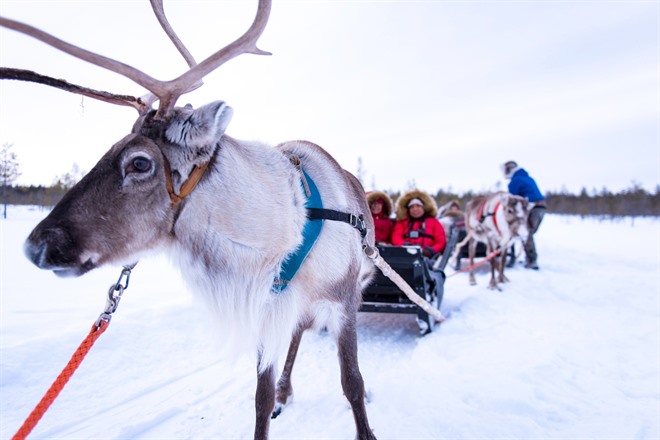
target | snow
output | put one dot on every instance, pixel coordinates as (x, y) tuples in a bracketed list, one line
[(570, 351)]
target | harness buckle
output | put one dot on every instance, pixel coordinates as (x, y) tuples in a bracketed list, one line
[(357, 221)]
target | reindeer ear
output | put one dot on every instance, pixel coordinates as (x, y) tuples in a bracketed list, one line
[(223, 116), (199, 128)]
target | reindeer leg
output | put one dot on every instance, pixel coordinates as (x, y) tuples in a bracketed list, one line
[(284, 389), (472, 250), (264, 402), (494, 266), (351, 379), (493, 282), (502, 278)]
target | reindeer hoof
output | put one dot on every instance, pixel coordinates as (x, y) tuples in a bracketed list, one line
[(283, 399)]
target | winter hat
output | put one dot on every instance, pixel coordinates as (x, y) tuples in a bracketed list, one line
[(415, 201), (508, 168)]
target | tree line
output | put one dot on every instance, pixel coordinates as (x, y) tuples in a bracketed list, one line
[(45, 196), (634, 201)]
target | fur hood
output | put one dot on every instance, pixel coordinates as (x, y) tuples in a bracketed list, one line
[(430, 207), (446, 211), (388, 205)]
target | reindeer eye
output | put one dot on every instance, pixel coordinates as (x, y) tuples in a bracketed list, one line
[(139, 165)]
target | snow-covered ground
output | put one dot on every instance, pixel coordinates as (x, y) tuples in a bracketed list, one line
[(569, 352)]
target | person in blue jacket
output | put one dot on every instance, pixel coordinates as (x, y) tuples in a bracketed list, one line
[(521, 184)]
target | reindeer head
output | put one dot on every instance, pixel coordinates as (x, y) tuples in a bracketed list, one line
[(515, 212), (127, 203)]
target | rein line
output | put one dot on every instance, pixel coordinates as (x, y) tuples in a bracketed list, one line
[(112, 301)]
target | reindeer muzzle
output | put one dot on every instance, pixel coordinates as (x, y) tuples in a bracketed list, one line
[(50, 249)]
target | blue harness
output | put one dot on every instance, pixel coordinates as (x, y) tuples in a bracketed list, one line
[(311, 231)]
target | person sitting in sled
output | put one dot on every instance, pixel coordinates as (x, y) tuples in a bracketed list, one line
[(451, 215), (381, 205), (416, 223)]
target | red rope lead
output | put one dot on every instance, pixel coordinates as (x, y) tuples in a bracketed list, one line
[(57, 386), (484, 261)]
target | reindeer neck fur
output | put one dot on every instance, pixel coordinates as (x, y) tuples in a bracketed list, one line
[(232, 234), (249, 207)]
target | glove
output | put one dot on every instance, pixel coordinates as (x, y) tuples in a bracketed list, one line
[(428, 252)]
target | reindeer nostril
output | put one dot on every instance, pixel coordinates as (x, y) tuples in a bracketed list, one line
[(46, 248), (35, 252)]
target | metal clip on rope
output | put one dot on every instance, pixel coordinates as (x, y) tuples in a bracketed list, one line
[(114, 295)]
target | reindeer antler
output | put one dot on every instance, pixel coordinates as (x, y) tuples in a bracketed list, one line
[(247, 43), (157, 6), (159, 11), (139, 104), (168, 92)]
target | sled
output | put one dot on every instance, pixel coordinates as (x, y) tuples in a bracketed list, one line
[(383, 296)]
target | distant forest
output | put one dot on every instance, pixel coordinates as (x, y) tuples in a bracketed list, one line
[(634, 201)]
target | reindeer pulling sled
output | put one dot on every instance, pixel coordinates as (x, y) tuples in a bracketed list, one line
[(496, 221)]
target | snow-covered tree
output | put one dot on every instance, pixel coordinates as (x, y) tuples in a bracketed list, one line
[(8, 171), (67, 180)]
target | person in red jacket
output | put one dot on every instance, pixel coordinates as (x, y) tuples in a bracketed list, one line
[(416, 223), (381, 205)]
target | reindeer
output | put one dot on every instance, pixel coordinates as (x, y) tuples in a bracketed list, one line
[(178, 183), (495, 220)]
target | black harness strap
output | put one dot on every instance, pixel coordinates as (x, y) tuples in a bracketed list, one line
[(419, 234), (330, 214), (421, 231), (483, 217)]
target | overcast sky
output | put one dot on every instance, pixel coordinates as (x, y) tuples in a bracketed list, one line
[(435, 94)]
